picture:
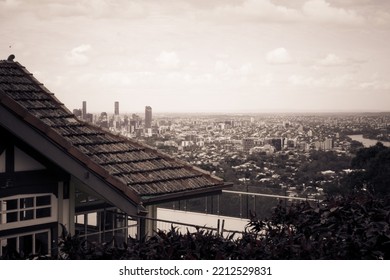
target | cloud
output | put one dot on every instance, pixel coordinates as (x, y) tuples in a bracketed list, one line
[(224, 71), (374, 85), (10, 3), (246, 69), (381, 18), (49, 9), (278, 56), (78, 55), (321, 82), (223, 68), (263, 10), (168, 60), (287, 11), (331, 60), (356, 3), (267, 79), (322, 11)]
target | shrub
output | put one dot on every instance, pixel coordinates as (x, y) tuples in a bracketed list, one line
[(356, 226)]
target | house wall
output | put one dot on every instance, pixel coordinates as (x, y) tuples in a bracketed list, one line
[(33, 199), (26, 178)]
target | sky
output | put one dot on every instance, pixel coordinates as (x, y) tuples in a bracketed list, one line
[(216, 56)]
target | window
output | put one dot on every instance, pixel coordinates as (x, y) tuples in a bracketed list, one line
[(27, 244), (103, 225), (25, 208), (84, 198), (43, 200), (42, 243), (26, 205)]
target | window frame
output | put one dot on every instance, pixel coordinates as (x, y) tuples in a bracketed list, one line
[(4, 239), (21, 211)]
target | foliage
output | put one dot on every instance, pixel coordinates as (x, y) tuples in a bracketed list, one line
[(356, 146), (324, 160), (356, 226), (353, 227), (372, 170), (164, 245)]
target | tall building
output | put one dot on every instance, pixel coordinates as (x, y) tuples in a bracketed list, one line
[(89, 118), (135, 123), (328, 144), (277, 143), (116, 108), (103, 120), (84, 115), (77, 112), (325, 145), (148, 117)]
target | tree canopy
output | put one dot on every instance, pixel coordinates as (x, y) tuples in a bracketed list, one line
[(372, 170)]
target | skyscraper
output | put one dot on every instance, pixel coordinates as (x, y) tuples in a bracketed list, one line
[(116, 108), (148, 117), (84, 113)]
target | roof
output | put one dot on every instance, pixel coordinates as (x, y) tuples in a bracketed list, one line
[(139, 172)]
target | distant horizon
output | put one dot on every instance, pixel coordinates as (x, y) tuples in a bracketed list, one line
[(242, 112)]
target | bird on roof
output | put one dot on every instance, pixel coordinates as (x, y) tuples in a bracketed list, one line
[(11, 58)]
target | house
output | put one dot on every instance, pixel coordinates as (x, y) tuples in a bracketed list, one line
[(56, 169)]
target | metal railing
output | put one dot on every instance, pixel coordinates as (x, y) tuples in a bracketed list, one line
[(219, 229), (271, 195), (132, 227)]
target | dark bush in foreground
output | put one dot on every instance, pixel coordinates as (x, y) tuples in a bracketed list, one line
[(353, 227)]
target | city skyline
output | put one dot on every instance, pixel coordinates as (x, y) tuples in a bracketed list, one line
[(139, 111), (232, 56)]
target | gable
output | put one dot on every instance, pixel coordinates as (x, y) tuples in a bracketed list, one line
[(16, 156), (24, 162)]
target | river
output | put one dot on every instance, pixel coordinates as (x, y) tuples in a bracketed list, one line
[(367, 142)]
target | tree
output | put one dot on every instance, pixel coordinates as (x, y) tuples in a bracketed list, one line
[(356, 226), (356, 146), (372, 170)]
